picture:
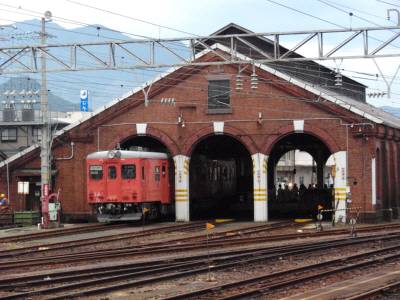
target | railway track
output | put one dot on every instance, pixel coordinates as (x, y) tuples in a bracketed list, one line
[(262, 286), (60, 232), (91, 281), (186, 243), (46, 248), (380, 291), (135, 251)]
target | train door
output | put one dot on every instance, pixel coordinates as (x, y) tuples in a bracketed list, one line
[(143, 176), (112, 184), (164, 188), (153, 180)]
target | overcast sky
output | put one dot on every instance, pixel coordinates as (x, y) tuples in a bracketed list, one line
[(203, 17)]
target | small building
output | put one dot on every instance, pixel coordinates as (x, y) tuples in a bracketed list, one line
[(226, 138)]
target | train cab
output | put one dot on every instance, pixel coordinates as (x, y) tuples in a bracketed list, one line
[(122, 185)]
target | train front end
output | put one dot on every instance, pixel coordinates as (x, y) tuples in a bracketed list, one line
[(123, 185)]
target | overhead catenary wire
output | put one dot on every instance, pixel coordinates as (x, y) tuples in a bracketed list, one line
[(129, 17), (283, 82), (318, 18), (114, 30), (272, 81), (157, 24)]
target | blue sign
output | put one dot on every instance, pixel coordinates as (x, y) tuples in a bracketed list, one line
[(84, 100)]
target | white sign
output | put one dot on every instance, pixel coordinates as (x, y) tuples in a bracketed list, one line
[(23, 187)]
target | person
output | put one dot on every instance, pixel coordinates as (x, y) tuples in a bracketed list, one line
[(286, 194), (280, 194), (295, 193), (3, 202)]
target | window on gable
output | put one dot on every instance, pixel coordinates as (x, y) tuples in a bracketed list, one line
[(219, 94)]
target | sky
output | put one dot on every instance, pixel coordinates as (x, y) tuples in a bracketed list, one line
[(177, 18)]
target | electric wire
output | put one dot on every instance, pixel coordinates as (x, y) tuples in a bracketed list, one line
[(155, 25)]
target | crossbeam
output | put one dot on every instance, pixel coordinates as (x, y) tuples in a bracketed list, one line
[(152, 53)]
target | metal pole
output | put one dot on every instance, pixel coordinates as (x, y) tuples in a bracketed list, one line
[(8, 183), (44, 151)]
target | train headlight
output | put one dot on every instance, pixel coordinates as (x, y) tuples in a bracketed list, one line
[(111, 154), (114, 154)]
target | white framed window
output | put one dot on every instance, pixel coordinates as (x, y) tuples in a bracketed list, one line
[(37, 134), (219, 94), (9, 135)]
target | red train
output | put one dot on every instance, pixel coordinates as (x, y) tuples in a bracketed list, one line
[(121, 185)]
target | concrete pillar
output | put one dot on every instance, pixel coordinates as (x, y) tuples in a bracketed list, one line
[(260, 186), (340, 184), (182, 188)]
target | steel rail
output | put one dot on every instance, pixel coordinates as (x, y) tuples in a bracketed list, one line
[(147, 250), (44, 248), (190, 268), (264, 288), (99, 239), (260, 252), (375, 292), (59, 232)]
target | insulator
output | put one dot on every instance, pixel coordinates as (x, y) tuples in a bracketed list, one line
[(338, 79), (239, 82), (254, 80)]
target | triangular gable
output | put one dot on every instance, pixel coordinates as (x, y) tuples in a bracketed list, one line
[(362, 109)]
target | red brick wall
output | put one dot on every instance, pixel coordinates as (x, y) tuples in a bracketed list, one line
[(279, 102)]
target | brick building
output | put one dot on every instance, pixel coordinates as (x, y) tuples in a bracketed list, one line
[(236, 128)]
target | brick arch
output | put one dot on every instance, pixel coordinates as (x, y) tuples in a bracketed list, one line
[(207, 131), (150, 132), (308, 129)]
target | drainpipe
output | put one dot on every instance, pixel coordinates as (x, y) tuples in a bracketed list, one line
[(69, 157), (8, 183)]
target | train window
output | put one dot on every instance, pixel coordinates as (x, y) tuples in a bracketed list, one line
[(157, 173), (112, 172), (96, 172), (128, 171), (163, 171)]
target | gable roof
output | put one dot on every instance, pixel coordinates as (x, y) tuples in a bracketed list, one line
[(308, 70), (360, 108)]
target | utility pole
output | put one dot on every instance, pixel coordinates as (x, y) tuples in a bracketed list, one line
[(45, 146)]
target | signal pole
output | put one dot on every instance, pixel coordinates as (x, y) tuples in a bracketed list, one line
[(45, 143)]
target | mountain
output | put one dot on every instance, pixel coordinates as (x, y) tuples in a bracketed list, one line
[(103, 86), (392, 110), (56, 103)]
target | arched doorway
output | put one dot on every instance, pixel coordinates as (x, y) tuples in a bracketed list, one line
[(298, 179), (151, 144), (221, 179), (144, 143)]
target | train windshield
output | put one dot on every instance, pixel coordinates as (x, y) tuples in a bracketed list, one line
[(128, 171), (112, 172), (96, 172)]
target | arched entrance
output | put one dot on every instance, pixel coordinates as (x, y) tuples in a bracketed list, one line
[(221, 179), (144, 143), (151, 144), (298, 179)]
